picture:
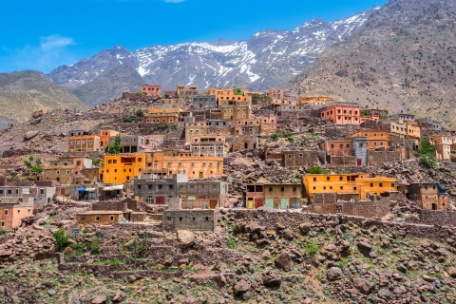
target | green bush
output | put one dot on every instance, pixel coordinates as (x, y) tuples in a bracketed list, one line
[(274, 136), (232, 244), (315, 170), (3, 232), (95, 247), (139, 113), (128, 119), (164, 127), (311, 248), (61, 239), (75, 246)]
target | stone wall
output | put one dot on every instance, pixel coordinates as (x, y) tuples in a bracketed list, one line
[(378, 158), (271, 219), (443, 218), (327, 205)]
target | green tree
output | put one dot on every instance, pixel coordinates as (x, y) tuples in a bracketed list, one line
[(238, 91), (139, 113), (426, 153), (61, 239), (33, 164), (115, 148)]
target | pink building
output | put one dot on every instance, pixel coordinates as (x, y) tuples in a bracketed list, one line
[(151, 90), (342, 113)]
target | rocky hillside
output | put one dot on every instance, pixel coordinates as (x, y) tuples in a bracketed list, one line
[(267, 59), (403, 58), (22, 93)]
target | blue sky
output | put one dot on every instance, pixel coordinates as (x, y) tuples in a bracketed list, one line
[(42, 35)]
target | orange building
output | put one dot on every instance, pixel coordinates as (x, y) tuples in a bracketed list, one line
[(360, 184), (375, 139), (82, 141), (151, 90), (443, 146), (369, 117), (163, 115), (342, 113), (105, 135), (13, 211), (224, 96), (413, 129), (117, 169), (169, 162)]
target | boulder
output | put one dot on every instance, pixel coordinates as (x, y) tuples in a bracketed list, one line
[(119, 296), (99, 299), (242, 286), (284, 261), (452, 272), (334, 273), (363, 285), (30, 134), (185, 238), (272, 280), (385, 293)]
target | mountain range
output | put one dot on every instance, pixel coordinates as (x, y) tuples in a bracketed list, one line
[(268, 59), (402, 59)]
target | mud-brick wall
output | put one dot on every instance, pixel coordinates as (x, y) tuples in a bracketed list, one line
[(368, 210), (342, 160), (378, 158), (443, 218), (115, 205)]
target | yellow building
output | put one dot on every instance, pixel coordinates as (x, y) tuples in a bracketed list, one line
[(360, 184), (236, 112), (170, 162), (162, 115), (117, 169)]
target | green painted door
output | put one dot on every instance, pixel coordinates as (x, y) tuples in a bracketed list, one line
[(269, 202), (284, 203)]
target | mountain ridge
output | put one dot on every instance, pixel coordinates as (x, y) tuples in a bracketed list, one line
[(269, 58)]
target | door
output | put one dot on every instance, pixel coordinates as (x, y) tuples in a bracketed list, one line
[(270, 203), (160, 200), (296, 205), (284, 203), (250, 204), (258, 203), (359, 162), (213, 204), (201, 175)]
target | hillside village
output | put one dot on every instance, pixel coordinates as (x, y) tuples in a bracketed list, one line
[(195, 162)]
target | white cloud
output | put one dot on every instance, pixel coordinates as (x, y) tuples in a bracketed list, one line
[(55, 41), (51, 52)]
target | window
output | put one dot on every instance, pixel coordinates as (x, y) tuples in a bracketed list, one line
[(341, 178), (168, 218), (97, 218), (6, 212), (3, 224), (371, 184), (392, 185), (328, 178), (18, 211), (380, 185), (314, 179), (111, 218), (341, 187), (270, 189), (315, 188), (330, 187)]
